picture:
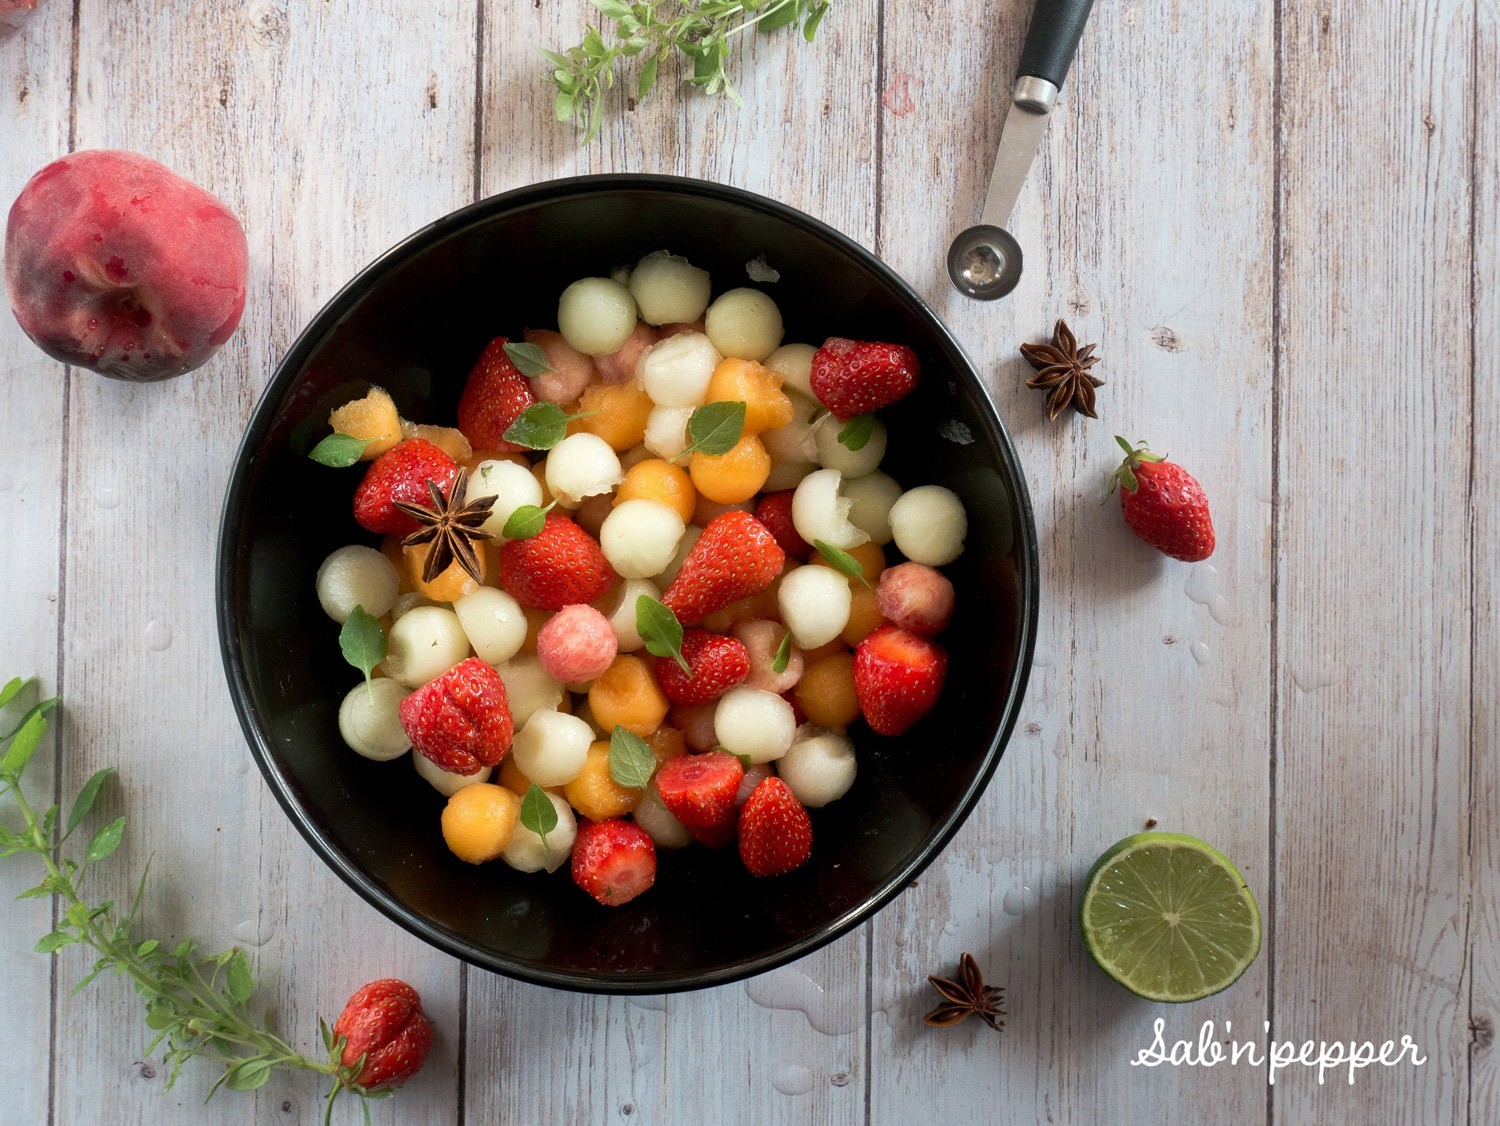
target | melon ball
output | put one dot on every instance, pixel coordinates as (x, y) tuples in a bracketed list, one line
[(640, 537), (676, 371), (928, 524), (357, 576), (369, 722), (755, 723), (446, 782), (761, 640), (684, 545), (576, 644), (696, 722), (833, 454), (664, 830), (870, 500), (582, 466), (744, 323), (621, 612), (753, 777), (668, 289), (634, 456), (794, 442), (406, 603), (596, 315), (512, 485), (494, 623), (666, 431), (819, 768), (424, 643), (820, 511), (552, 748), (529, 688), (814, 603), (527, 853), (794, 362)]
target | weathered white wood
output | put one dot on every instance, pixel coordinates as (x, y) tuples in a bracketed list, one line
[(35, 88), (1373, 661)]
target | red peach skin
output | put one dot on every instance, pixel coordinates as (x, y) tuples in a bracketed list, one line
[(115, 263)]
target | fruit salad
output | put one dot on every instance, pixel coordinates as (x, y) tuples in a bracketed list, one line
[(637, 598)]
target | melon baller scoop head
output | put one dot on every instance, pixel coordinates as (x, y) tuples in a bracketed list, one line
[(984, 261)]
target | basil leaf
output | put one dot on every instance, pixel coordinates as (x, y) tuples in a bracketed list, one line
[(648, 77), (842, 561), (54, 941), (363, 642), (241, 980), (855, 434), (778, 18), (86, 796), (538, 813), (631, 759), (338, 451), (783, 654), (660, 630), (744, 759), (528, 358), (810, 28), (249, 1075), (539, 427), (11, 690), (525, 522), (715, 428), (24, 743), (106, 840)]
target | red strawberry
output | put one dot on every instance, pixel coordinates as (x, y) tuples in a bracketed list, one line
[(461, 720), (614, 861), (1163, 504), (383, 1023), (775, 831), (734, 558), (717, 664), (562, 565), (897, 677), (401, 473), (493, 398), (699, 790), (775, 512), (852, 377)]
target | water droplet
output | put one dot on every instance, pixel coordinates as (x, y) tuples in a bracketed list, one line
[(1016, 900), (1318, 673), (253, 932), (792, 1079), (652, 1003), (158, 635), (1201, 654), (108, 497), (956, 432), (789, 989), (1204, 586)]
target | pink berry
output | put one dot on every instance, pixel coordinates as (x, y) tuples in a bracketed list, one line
[(619, 366), (696, 722), (576, 644), (915, 597)]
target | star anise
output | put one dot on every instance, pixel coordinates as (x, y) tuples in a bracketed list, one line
[(451, 526), (1062, 370), (966, 997)]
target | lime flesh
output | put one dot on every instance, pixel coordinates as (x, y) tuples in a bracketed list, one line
[(1169, 917)]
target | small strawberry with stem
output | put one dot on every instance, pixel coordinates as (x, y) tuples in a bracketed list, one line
[(1163, 504)]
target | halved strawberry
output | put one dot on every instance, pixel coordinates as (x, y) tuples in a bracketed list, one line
[(898, 676), (614, 861), (494, 397), (401, 474), (717, 664), (734, 558), (562, 565), (852, 377), (699, 790), (775, 831), (775, 512), (461, 720)]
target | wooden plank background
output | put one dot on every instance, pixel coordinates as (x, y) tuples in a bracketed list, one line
[(1280, 223)]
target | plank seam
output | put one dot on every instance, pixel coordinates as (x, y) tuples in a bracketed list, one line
[(1472, 522)]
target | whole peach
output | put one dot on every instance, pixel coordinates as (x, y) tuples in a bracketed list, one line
[(114, 262)]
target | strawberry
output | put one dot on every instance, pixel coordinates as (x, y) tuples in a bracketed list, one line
[(852, 377), (775, 512), (562, 565), (717, 664), (614, 861), (461, 720), (383, 1024), (897, 678), (699, 790), (1163, 504), (494, 396), (734, 558), (775, 831), (401, 473)]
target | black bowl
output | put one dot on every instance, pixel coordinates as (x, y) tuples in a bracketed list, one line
[(413, 322)]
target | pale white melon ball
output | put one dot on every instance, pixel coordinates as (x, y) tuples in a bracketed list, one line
[(529, 688), (621, 274), (621, 611), (814, 603), (406, 603), (761, 640), (928, 524), (664, 830), (552, 748), (582, 466), (424, 643), (787, 475), (369, 720), (527, 853), (595, 315), (794, 442), (819, 768), (744, 323), (794, 362), (833, 454), (510, 484), (668, 289), (639, 537), (446, 782), (755, 723), (870, 501), (666, 430), (356, 576), (820, 511), (494, 622), (684, 546), (675, 372)]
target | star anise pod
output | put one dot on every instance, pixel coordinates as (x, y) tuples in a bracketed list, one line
[(966, 997), (1062, 370), (451, 526)]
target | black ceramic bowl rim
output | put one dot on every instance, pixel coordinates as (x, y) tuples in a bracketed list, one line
[(290, 369)]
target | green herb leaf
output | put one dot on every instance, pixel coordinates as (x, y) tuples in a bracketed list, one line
[(106, 840), (648, 77), (810, 28), (744, 759), (855, 434), (338, 451), (529, 358), (249, 1075), (525, 522), (715, 428), (240, 980), (783, 654), (842, 561), (778, 17), (614, 9), (11, 690), (54, 941), (24, 744), (538, 813), (86, 797), (660, 630), (631, 760), (363, 642), (539, 427)]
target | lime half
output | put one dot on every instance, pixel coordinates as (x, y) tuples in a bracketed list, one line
[(1169, 917)]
